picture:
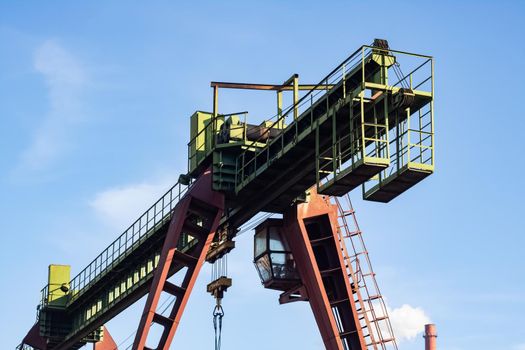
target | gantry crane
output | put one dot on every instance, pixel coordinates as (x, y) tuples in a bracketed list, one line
[(366, 124)]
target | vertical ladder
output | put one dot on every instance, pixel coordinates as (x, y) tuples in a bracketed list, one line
[(371, 307)]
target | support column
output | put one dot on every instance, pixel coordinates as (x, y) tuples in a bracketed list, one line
[(197, 214), (311, 231), (34, 339), (107, 342)]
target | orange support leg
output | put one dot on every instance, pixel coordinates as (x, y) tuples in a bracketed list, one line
[(34, 339), (198, 215), (107, 342), (311, 230)]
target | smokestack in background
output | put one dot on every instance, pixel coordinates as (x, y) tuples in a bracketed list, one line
[(430, 337)]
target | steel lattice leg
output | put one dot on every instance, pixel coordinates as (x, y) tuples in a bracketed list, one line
[(197, 215)]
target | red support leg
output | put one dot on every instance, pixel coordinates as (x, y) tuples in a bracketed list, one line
[(197, 214), (34, 339), (311, 230), (107, 342)]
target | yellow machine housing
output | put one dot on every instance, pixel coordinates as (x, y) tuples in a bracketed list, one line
[(58, 285), (217, 141)]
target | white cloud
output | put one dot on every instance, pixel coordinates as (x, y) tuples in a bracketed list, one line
[(120, 206), (519, 346), (408, 321), (65, 78)]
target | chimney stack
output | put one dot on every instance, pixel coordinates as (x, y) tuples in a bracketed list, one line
[(430, 337)]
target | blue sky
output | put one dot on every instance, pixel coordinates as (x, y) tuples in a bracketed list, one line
[(94, 104)]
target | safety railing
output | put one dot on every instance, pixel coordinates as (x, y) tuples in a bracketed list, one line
[(248, 163), (44, 294), (352, 148), (138, 232), (411, 136), (414, 142), (420, 137), (203, 143), (406, 142), (419, 78), (238, 129)]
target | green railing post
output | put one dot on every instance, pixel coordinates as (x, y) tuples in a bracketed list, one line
[(344, 80), (334, 138), (363, 143), (362, 64), (295, 97), (432, 108), (387, 128), (317, 165), (408, 135)]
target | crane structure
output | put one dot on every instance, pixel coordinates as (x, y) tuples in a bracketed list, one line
[(366, 124)]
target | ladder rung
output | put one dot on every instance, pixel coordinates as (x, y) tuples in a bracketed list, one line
[(379, 319), (373, 297), (340, 301), (162, 320), (346, 334), (382, 341), (330, 271), (173, 289), (319, 240), (353, 233), (184, 258)]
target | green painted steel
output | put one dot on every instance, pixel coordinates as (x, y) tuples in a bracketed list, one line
[(354, 128), (355, 120), (120, 275)]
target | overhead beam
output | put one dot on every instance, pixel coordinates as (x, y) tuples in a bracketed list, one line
[(270, 87)]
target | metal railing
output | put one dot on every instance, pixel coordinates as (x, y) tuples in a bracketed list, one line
[(412, 135), (140, 230), (414, 145), (199, 149), (248, 162), (408, 79)]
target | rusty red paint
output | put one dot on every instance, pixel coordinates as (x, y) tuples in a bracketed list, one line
[(34, 339), (200, 192), (430, 337), (300, 243), (107, 342)]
